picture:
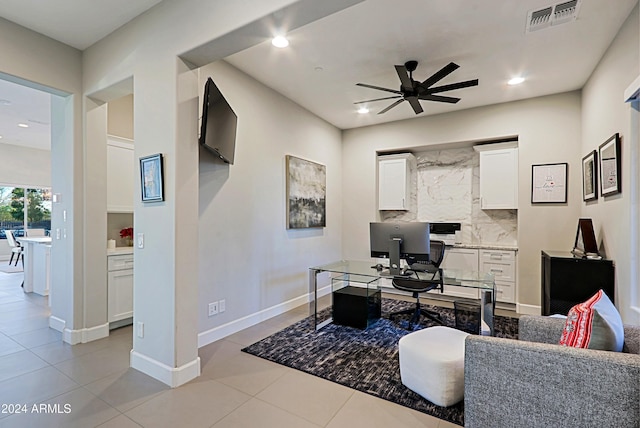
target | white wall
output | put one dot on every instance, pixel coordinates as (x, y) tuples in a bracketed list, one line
[(548, 130), (33, 59), (604, 113), (247, 256), (24, 166), (148, 48)]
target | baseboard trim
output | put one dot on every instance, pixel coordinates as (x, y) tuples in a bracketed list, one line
[(57, 323), (73, 337), (523, 309), (172, 376), (217, 333)]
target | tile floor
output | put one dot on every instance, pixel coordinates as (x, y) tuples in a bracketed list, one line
[(89, 385)]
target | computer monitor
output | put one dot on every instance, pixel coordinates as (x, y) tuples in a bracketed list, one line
[(409, 241)]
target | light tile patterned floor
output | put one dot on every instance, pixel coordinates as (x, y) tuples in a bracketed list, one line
[(235, 389)]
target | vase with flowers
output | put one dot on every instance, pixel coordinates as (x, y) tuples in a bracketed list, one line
[(127, 235)]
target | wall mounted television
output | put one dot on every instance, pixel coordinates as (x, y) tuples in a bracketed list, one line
[(219, 124)]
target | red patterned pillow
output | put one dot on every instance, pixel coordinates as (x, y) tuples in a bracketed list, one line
[(594, 324)]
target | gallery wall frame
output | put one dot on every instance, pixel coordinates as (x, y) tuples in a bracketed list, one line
[(151, 178), (610, 166), (306, 193), (590, 177), (549, 183)]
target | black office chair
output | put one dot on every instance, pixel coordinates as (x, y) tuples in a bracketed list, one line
[(417, 285)]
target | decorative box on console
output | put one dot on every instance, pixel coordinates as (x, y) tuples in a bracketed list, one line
[(357, 300)]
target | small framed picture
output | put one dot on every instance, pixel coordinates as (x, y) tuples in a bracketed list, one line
[(610, 166), (590, 177), (549, 183), (151, 178)]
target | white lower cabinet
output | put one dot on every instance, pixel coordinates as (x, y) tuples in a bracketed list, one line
[(460, 259), (502, 264), (119, 287)]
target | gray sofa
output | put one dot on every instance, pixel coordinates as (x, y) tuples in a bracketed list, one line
[(533, 382)]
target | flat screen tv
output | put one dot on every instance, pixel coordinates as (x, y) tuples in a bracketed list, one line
[(219, 124)]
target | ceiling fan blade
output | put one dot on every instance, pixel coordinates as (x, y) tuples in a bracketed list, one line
[(415, 104), (403, 74), (377, 99), (364, 85), (386, 109), (440, 98), (440, 74), (453, 86)]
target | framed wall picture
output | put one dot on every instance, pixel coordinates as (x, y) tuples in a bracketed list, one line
[(549, 183), (590, 176), (610, 166), (306, 193), (151, 183)]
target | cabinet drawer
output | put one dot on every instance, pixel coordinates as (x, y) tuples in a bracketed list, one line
[(505, 292), (120, 262), (497, 256), (504, 271)]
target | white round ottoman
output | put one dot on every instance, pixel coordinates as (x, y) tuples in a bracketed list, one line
[(432, 364)]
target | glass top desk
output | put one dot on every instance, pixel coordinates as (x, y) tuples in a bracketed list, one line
[(361, 270)]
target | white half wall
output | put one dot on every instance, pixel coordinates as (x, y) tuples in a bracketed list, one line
[(548, 131), (247, 255)]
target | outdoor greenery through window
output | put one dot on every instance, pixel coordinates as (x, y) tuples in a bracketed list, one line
[(16, 210)]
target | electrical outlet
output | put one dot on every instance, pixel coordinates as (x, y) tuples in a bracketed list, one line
[(213, 308), (140, 329), (222, 306)]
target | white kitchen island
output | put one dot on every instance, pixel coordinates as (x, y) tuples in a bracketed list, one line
[(37, 264)]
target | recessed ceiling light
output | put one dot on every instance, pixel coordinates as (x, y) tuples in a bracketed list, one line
[(280, 42), (23, 125), (515, 81), (363, 110)]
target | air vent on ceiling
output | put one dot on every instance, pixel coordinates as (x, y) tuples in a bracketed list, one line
[(553, 15)]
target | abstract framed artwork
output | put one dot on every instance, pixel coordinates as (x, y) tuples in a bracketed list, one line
[(610, 166), (549, 183), (306, 193), (151, 183), (590, 177)]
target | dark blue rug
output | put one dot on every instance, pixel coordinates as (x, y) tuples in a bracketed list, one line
[(365, 360)]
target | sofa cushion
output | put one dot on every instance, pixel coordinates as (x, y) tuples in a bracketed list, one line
[(594, 324)]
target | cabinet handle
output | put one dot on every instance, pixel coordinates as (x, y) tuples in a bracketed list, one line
[(402, 202), (495, 256), (496, 270)]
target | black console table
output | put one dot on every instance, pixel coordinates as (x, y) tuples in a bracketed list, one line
[(568, 280)]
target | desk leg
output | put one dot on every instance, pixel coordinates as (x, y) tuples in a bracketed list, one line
[(313, 298), (313, 304), (487, 306)]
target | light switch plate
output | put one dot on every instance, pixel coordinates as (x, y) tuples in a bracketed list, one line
[(140, 240)]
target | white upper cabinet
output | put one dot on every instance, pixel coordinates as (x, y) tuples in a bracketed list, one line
[(120, 175), (498, 176), (394, 178)]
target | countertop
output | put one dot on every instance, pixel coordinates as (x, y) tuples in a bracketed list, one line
[(119, 251), (487, 247)]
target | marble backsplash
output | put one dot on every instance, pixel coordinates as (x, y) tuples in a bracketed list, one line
[(445, 187)]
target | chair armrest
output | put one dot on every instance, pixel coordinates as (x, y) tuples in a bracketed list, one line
[(513, 383)]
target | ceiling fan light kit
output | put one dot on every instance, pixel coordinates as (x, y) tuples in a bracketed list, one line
[(413, 91)]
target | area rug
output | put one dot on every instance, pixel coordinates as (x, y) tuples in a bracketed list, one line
[(365, 360)]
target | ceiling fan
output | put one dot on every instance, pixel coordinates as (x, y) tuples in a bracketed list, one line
[(413, 91)]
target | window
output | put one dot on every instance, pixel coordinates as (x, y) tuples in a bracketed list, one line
[(18, 211)]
